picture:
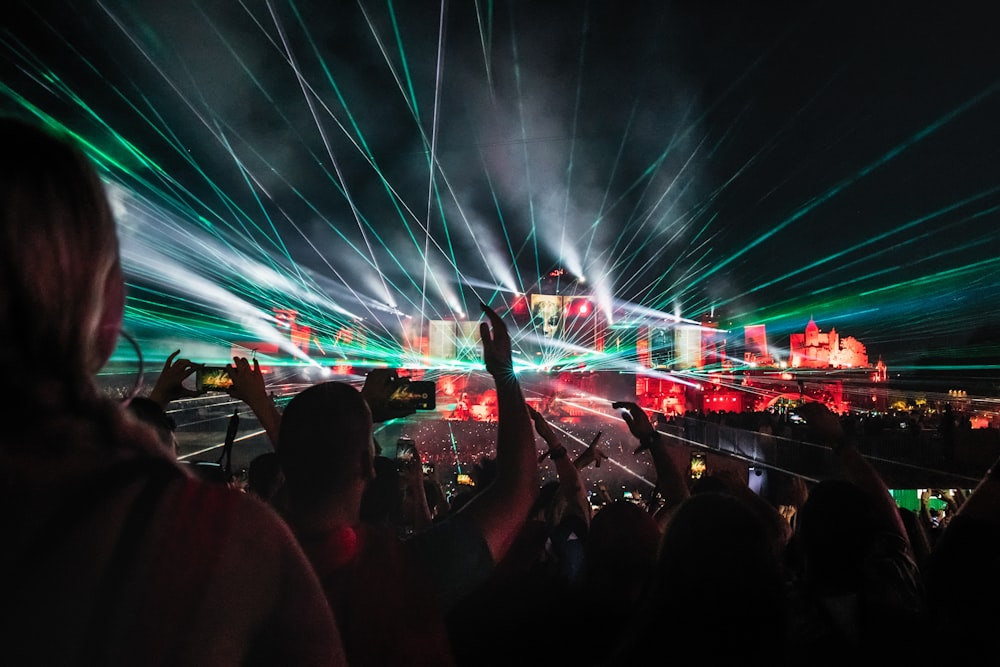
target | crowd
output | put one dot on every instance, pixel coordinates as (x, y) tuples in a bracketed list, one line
[(338, 554)]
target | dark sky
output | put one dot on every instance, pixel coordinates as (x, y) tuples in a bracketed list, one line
[(769, 161)]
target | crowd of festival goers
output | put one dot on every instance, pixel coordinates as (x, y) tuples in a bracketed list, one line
[(115, 553)]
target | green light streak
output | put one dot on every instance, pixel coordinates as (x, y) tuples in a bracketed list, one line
[(854, 178), (403, 61), (658, 219), (879, 238), (956, 274), (486, 40), (533, 223)]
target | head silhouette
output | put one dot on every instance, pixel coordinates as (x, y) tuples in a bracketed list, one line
[(61, 292), (325, 443)]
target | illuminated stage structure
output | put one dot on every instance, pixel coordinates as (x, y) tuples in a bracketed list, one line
[(569, 347)]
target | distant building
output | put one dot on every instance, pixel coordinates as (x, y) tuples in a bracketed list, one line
[(815, 349), (688, 346), (713, 343), (454, 340), (755, 352)]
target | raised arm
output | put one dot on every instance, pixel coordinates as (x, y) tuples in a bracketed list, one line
[(570, 480), (500, 509), (591, 454), (169, 383), (249, 387), (417, 510), (824, 426), (670, 480), (379, 386)]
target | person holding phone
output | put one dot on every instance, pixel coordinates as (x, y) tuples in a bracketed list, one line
[(370, 574), (415, 511), (169, 386), (248, 385)]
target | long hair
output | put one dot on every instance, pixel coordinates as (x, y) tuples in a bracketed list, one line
[(59, 265)]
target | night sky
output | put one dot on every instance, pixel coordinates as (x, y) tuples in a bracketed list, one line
[(767, 162)]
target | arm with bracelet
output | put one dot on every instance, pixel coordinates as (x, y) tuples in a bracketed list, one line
[(500, 510), (570, 480)]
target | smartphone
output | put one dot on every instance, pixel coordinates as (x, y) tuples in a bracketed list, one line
[(698, 466), (464, 479), (406, 450), (414, 395), (428, 468), (213, 378)]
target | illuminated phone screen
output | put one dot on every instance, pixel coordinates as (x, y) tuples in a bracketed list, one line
[(213, 378), (698, 466)]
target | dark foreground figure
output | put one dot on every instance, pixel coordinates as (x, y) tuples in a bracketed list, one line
[(113, 555)]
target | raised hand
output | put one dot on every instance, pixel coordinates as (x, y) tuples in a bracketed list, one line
[(636, 419), (378, 387), (822, 425), (248, 386), (248, 382), (590, 455), (543, 428), (169, 384), (497, 354)]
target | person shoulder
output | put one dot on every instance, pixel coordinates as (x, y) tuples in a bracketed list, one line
[(233, 513)]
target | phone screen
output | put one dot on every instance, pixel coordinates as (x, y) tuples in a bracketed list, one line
[(414, 395), (698, 466), (214, 378), (406, 450)]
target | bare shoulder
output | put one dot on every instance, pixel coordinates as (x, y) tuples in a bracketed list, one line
[(229, 515), (259, 582)]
